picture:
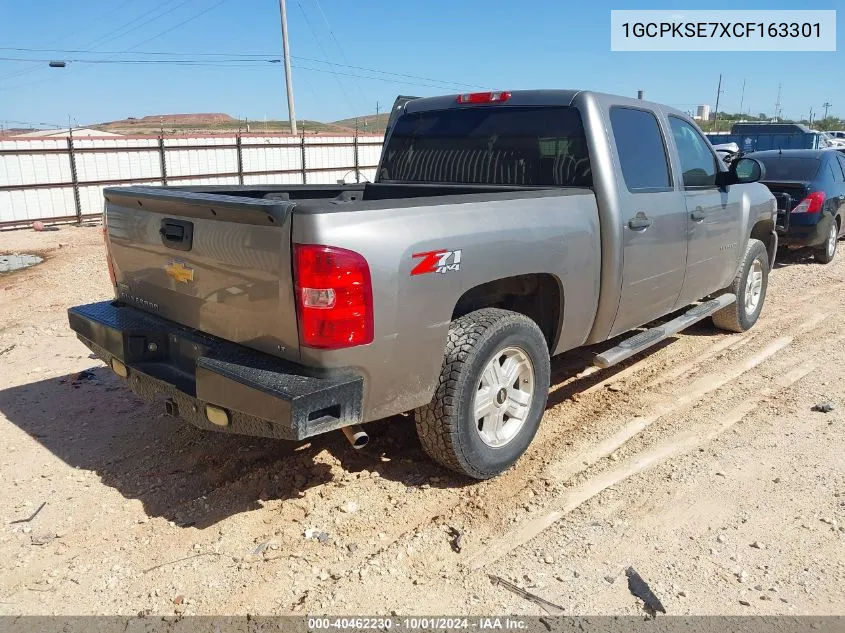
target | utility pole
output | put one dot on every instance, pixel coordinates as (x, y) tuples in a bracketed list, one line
[(742, 97), (810, 120), (288, 81), (826, 105), (716, 113), (777, 104)]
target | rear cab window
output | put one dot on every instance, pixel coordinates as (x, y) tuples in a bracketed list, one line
[(642, 152), (541, 146)]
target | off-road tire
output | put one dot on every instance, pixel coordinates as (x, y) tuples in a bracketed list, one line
[(735, 317), (827, 252), (446, 427)]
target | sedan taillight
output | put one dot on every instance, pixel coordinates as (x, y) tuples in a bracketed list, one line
[(811, 204)]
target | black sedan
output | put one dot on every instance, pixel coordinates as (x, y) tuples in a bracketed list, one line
[(809, 185)]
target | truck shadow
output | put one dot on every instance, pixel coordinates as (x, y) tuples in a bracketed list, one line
[(197, 478), (194, 477), (786, 257)]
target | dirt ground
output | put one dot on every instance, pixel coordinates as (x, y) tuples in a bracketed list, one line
[(702, 466)]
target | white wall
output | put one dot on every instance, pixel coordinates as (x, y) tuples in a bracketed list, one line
[(189, 161)]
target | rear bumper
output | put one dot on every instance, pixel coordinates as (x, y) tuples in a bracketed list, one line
[(807, 234), (263, 396)]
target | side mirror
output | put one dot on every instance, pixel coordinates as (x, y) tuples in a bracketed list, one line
[(746, 170)]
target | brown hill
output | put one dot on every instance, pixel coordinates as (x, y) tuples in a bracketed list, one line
[(203, 118), (369, 123), (217, 122)]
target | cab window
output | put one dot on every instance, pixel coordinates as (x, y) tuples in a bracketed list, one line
[(642, 153), (698, 164)]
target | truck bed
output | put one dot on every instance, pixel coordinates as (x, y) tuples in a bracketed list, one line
[(219, 258)]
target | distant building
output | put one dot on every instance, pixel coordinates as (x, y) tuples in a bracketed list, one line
[(702, 113), (77, 131)]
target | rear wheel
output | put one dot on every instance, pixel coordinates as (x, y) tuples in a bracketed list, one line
[(749, 286), (827, 252), (491, 395)]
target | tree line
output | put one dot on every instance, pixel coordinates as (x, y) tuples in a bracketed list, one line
[(723, 121)]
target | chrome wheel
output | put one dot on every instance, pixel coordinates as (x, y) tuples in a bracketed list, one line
[(831, 239), (503, 397), (753, 287)]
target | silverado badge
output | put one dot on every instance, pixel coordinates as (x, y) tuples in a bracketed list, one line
[(179, 271)]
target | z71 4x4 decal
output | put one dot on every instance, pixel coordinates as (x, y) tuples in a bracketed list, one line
[(442, 261)]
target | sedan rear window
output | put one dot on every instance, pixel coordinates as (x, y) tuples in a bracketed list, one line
[(789, 167), (533, 146)]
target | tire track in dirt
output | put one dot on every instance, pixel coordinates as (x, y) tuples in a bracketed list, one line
[(663, 450), (499, 493)]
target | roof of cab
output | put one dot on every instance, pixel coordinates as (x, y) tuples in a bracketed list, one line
[(537, 98)]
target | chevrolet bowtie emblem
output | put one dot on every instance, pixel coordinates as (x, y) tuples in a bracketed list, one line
[(179, 272)]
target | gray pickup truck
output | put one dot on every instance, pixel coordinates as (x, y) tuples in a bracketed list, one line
[(502, 228)]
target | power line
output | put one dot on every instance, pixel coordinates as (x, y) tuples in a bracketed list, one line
[(120, 33), (34, 124), (246, 64), (112, 34), (194, 17), (340, 50), (70, 34), (255, 55), (145, 61), (826, 105), (323, 51), (182, 23)]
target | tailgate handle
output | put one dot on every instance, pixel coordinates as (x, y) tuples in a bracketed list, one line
[(177, 234)]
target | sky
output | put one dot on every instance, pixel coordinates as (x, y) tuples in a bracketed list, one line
[(448, 46)]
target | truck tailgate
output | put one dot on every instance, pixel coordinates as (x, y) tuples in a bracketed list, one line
[(220, 264)]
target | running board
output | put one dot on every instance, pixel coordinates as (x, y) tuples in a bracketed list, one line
[(646, 339)]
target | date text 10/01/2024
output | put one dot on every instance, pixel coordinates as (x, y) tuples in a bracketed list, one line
[(418, 623)]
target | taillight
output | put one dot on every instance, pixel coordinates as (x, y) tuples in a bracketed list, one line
[(108, 254), (811, 204), (334, 297), (484, 97)]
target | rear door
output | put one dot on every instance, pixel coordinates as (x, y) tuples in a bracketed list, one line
[(714, 215), (654, 217)]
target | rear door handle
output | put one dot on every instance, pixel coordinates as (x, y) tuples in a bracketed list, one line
[(698, 215), (639, 222)]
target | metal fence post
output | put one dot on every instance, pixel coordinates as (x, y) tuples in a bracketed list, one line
[(302, 152), (357, 164), (239, 149), (74, 179), (162, 158)]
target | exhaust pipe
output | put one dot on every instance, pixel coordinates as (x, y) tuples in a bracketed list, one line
[(171, 408), (356, 435)]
